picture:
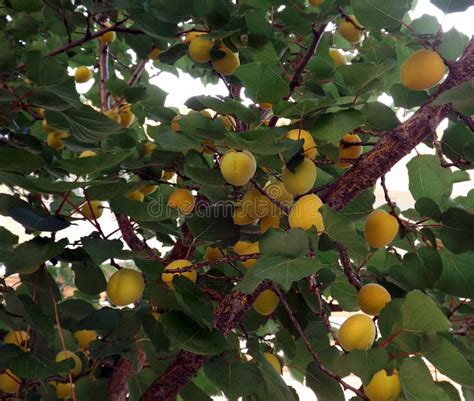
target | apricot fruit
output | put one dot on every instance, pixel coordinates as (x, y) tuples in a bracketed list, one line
[(87, 153), (85, 337), (82, 74), (254, 204), (349, 152), (316, 3), (183, 200), (380, 229), (305, 213), (200, 49), (9, 383), (147, 189), (154, 53), (125, 287), (238, 167), (270, 221), (266, 302), (383, 387), (273, 360), (372, 298), (247, 248), (227, 64), (113, 115), (422, 70), (108, 37), (241, 218), (47, 127), (302, 180), (167, 175), (192, 35), (351, 30), (63, 355), (177, 264), (64, 390), (228, 121), (174, 123), (277, 190), (17, 337), (55, 139), (40, 112), (309, 146), (94, 210), (126, 116), (338, 57), (213, 253), (136, 196), (265, 106), (149, 147), (357, 332)]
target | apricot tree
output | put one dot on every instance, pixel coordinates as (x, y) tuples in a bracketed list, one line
[(209, 250)]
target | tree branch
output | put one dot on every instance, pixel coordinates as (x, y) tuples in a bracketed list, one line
[(104, 75), (351, 275), (395, 144)]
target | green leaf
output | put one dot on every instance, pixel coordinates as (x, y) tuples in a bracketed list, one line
[(42, 185), (366, 363), (427, 207), (176, 142), (139, 383), (447, 359), (461, 97), (32, 221), (91, 389), (457, 232), (358, 76), (453, 43), (100, 250), (31, 367), (345, 294), (380, 117), (262, 83), (288, 244), (406, 98), (458, 275), (361, 206), (33, 253), (416, 381), (452, 6), (102, 319), (427, 179), (284, 270), (84, 124), (262, 141), (332, 127), (277, 389), (342, 230), (19, 160), (227, 106), (89, 165), (235, 378), (380, 14), (90, 280), (325, 387), (298, 109), (423, 268), (185, 334), (154, 210)]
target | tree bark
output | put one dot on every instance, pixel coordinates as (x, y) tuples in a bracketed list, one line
[(396, 144)]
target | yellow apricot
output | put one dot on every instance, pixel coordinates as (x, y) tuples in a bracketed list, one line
[(227, 64), (40, 112), (64, 390), (200, 49), (213, 253), (149, 147), (136, 196), (247, 248), (9, 383), (108, 37), (277, 190), (126, 117), (192, 35), (273, 360), (147, 189), (381, 228), (270, 221), (125, 287), (87, 153), (167, 175), (241, 218), (238, 167), (94, 210), (352, 30), (205, 113), (422, 70), (17, 337), (357, 332), (302, 180), (174, 123), (309, 146), (305, 213), (54, 139), (266, 302), (265, 106), (383, 387), (372, 298), (349, 152), (338, 57), (228, 121), (254, 204), (63, 355), (46, 127), (177, 264), (82, 74), (85, 337), (154, 53), (183, 200), (113, 115), (156, 315)]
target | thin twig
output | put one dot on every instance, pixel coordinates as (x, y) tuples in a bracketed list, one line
[(104, 75), (276, 202), (226, 259), (351, 275), (444, 162)]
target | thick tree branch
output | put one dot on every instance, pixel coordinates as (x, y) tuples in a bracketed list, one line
[(396, 144), (104, 75)]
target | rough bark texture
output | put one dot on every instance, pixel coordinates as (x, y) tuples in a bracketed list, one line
[(396, 144)]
